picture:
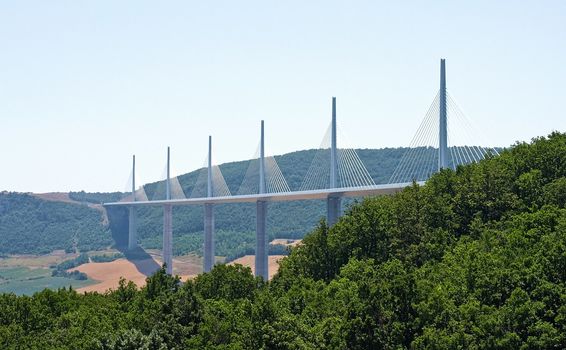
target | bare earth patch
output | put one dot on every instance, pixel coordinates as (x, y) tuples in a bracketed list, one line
[(249, 260), (286, 242), (108, 274), (55, 197)]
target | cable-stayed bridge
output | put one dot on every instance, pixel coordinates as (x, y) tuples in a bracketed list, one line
[(445, 139)]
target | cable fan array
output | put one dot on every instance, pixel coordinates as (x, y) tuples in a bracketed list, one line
[(351, 170), (274, 180), (160, 188), (138, 195), (420, 161), (219, 186)]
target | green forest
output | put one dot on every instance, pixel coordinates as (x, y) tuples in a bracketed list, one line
[(31, 225), (236, 222), (26, 219), (474, 259)]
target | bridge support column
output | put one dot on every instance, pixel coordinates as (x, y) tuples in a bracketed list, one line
[(132, 229), (333, 210), (168, 222), (443, 128), (209, 258), (168, 238), (261, 252), (333, 203), (132, 224)]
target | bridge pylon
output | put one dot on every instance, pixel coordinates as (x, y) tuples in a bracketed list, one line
[(333, 202), (132, 215), (209, 257), (168, 221), (261, 247), (443, 120)]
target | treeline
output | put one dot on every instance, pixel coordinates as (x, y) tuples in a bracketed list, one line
[(30, 225), (72, 263), (475, 259), (107, 257), (61, 269), (96, 197)]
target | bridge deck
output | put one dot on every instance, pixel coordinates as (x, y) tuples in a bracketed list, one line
[(279, 197)]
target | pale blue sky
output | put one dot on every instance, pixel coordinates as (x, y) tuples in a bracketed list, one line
[(83, 85)]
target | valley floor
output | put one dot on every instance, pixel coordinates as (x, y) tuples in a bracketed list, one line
[(107, 275), (29, 274)]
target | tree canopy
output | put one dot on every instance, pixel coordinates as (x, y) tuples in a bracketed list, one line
[(474, 259)]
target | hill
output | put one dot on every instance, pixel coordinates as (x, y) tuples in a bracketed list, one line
[(474, 259), (72, 221), (34, 225), (235, 223), (37, 224)]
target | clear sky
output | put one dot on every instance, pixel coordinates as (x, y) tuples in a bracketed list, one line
[(86, 84)]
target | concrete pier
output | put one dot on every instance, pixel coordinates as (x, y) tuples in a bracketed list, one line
[(132, 229), (333, 203), (209, 257), (168, 237), (261, 252), (132, 217), (443, 120), (333, 209), (168, 221)]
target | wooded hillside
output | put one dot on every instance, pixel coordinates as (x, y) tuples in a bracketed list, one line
[(475, 259)]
